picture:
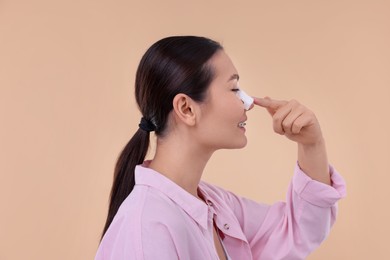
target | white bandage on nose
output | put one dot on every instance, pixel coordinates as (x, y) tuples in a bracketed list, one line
[(246, 99)]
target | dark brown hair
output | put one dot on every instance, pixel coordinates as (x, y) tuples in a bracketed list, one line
[(173, 65)]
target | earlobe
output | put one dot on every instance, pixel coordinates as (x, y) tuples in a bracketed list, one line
[(183, 106)]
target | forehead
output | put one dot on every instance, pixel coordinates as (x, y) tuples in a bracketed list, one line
[(223, 67)]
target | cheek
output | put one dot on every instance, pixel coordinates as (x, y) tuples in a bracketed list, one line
[(229, 114), (232, 101), (237, 104)]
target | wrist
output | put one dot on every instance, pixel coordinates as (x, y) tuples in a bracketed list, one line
[(319, 143)]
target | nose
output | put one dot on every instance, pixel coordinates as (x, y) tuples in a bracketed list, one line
[(251, 106), (246, 99)]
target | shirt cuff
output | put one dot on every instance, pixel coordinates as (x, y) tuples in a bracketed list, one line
[(318, 193)]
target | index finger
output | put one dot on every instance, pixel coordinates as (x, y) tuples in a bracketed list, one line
[(269, 103)]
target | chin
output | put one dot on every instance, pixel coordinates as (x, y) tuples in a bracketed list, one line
[(242, 145), (231, 143), (239, 145)]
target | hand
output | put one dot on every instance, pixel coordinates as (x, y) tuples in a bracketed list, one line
[(292, 119)]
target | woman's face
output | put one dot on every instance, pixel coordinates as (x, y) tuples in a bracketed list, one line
[(223, 110)]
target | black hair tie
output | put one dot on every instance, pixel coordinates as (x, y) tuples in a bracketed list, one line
[(147, 125)]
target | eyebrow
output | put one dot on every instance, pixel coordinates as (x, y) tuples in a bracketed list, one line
[(234, 76)]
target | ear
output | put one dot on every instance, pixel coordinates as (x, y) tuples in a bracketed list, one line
[(184, 108)]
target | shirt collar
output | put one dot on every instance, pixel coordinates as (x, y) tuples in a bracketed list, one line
[(194, 207), (208, 198)]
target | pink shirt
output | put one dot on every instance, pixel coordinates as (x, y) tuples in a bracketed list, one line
[(160, 220)]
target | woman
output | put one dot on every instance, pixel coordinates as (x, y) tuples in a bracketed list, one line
[(186, 90)]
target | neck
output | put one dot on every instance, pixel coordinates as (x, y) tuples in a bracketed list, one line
[(183, 164)]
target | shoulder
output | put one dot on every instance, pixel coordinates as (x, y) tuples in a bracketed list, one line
[(142, 216)]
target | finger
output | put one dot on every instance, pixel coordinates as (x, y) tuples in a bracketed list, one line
[(269, 103), (279, 117), (261, 102), (298, 124), (288, 122), (301, 122)]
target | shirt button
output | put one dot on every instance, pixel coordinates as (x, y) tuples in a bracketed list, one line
[(226, 226)]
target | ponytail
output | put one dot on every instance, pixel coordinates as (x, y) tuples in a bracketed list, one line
[(132, 154)]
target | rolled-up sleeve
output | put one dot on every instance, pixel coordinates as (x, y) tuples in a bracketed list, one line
[(294, 228)]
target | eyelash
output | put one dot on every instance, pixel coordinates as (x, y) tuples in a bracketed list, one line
[(235, 89)]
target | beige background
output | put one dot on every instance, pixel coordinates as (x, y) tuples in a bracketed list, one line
[(67, 107)]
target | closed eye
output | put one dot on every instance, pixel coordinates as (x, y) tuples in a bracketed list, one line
[(235, 89)]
